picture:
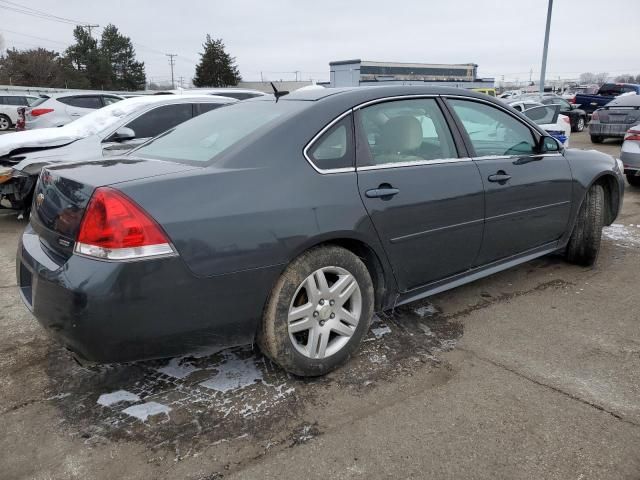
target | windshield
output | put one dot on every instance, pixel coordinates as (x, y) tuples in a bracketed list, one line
[(204, 137)]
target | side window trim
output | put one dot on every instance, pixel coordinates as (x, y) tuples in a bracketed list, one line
[(472, 152), (362, 148), (318, 136)]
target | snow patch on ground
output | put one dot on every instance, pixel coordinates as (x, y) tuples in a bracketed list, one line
[(428, 310), (381, 331), (235, 373), (178, 367), (108, 399), (146, 410), (624, 236)]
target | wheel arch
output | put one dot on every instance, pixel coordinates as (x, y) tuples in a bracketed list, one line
[(375, 261), (612, 195)]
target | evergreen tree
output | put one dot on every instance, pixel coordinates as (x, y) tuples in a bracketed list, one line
[(117, 51), (216, 68), (85, 58)]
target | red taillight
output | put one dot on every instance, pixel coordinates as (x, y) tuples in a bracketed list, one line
[(632, 135), (566, 119), (36, 112), (572, 100), (115, 228), (594, 116)]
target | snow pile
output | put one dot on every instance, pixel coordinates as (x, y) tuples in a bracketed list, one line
[(624, 236), (234, 374)]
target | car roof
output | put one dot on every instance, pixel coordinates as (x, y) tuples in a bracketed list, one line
[(80, 93), (625, 101)]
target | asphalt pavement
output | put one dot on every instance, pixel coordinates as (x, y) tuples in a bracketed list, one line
[(530, 373)]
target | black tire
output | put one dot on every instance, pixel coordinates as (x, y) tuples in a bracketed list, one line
[(633, 180), (596, 139), (580, 123), (273, 335), (5, 123), (584, 244)]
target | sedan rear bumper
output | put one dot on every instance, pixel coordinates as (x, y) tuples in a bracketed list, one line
[(122, 311), (608, 129)]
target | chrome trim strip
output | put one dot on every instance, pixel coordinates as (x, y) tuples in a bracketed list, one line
[(396, 97), (527, 210), (509, 157), (305, 151), (416, 163), (434, 230)]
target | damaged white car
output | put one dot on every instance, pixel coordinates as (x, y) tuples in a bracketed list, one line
[(112, 130)]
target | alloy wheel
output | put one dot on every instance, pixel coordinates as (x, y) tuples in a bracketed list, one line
[(580, 126), (324, 312), (4, 123)]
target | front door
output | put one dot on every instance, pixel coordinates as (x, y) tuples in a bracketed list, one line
[(424, 198), (527, 194)]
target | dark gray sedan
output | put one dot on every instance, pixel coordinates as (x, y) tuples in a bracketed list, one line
[(289, 221), (614, 119)]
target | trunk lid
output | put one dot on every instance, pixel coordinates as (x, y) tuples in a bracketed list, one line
[(63, 192), (619, 115)]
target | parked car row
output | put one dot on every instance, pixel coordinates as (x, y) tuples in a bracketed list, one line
[(287, 220), (106, 132), (9, 106)]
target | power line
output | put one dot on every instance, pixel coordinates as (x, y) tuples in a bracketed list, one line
[(15, 7), (33, 36)]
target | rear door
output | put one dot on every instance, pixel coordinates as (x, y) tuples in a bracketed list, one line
[(423, 194), (527, 194)]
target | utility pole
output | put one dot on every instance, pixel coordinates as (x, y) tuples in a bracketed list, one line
[(89, 27), (543, 70), (172, 62)]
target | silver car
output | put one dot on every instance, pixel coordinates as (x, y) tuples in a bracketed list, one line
[(59, 109), (113, 130), (630, 155), (614, 119)]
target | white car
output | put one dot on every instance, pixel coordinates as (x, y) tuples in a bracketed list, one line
[(237, 93), (9, 104), (111, 131), (547, 117), (59, 109)]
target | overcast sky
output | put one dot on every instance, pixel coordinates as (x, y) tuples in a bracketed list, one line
[(278, 37)]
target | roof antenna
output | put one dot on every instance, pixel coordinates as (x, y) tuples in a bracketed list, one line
[(278, 93)]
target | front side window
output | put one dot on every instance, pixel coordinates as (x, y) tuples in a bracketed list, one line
[(160, 119), (406, 131), (334, 149), (492, 131), (110, 100)]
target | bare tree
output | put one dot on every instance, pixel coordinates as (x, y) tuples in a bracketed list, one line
[(601, 77), (587, 77)]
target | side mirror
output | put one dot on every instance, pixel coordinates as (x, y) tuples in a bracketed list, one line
[(123, 134), (573, 106), (549, 144)]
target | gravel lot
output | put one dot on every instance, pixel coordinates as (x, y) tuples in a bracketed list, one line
[(531, 373)]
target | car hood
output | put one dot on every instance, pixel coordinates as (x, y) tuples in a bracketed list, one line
[(30, 140), (31, 160)]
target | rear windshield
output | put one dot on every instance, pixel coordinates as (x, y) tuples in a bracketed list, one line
[(206, 136), (39, 101), (613, 89)]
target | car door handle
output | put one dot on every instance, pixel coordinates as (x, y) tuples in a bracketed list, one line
[(501, 177), (381, 192)]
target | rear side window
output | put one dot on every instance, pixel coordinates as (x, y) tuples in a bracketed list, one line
[(238, 95), (334, 149), (200, 108), (82, 102), (160, 119), (492, 131)]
